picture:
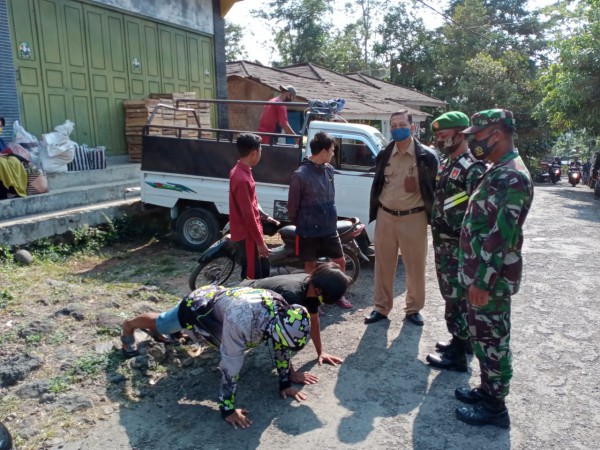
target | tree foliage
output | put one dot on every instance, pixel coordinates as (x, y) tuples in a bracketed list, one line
[(234, 49), (572, 83)]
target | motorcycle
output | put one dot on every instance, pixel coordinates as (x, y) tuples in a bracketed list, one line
[(219, 262), (555, 174), (574, 176)]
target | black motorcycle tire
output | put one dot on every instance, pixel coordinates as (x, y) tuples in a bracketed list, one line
[(352, 265), (215, 271), (6, 442)]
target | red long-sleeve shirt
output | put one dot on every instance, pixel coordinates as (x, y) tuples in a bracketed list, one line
[(244, 217)]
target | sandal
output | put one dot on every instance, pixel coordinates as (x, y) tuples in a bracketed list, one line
[(167, 340), (129, 349), (344, 303)]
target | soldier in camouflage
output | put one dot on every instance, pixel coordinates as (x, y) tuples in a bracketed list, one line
[(456, 180), (490, 262)]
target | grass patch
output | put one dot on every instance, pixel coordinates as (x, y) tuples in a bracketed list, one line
[(59, 384), (106, 331), (6, 298), (91, 363), (33, 339), (57, 338)]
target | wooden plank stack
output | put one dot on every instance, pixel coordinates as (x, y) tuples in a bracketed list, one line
[(137, 113)]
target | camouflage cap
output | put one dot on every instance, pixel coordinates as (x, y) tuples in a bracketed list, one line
[(484, 119), (451, 119)]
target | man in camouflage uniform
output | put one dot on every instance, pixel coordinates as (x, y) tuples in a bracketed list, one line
[(457, 178), (490, 262)]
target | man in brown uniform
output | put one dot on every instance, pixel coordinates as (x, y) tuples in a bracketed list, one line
[(402, 196)]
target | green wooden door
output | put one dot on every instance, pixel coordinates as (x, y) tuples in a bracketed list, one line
[(80, 62), (108, 75), (27, 65)]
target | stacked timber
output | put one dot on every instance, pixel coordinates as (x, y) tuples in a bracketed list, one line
[(166, 121)]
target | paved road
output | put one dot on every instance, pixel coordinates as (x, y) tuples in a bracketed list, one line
[(384, 396)]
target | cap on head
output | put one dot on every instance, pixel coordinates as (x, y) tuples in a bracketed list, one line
[(289, 88), (451, 119), (489, 117), (291, 326)]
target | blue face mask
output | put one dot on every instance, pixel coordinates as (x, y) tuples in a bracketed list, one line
[(400, 134)]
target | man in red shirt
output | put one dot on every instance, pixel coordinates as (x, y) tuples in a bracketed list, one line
[(274, 118), (244, 214)]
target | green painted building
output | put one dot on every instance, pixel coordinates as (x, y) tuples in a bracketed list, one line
[(80, 59)]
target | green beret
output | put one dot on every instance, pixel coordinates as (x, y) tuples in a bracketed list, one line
[(484, 119), (452, 119)]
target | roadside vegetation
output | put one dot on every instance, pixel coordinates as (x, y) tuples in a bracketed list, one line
[(61, 368)]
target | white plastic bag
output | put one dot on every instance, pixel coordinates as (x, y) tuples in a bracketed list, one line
[(22, 137), (58, 145)]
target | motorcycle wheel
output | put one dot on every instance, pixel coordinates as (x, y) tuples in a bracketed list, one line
[(217, 271), (5, 438), (352, 265)]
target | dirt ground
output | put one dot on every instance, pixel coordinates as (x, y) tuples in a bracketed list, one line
[(384, 395)]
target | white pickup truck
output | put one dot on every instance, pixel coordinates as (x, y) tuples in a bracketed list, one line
[(190, 177)]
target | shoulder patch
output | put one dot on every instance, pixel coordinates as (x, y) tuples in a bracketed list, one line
[(455, 173)]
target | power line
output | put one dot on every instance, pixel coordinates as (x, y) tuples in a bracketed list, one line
[(468, 29)]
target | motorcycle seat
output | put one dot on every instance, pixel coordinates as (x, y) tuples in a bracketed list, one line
[(343, 226), (288, 232)]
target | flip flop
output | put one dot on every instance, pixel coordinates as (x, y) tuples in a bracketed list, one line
[(129, 349), (167, 340)]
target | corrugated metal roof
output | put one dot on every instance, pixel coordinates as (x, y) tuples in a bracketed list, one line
[(364, 99)]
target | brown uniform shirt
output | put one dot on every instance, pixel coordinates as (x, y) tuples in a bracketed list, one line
[(401, 165)]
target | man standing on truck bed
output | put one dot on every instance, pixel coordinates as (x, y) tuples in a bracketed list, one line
[(274, 117), (244, 214), (311, 207)]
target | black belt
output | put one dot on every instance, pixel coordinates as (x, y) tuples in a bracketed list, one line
[(394, 212)]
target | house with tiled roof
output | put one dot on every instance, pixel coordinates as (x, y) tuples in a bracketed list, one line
[(368, 100)]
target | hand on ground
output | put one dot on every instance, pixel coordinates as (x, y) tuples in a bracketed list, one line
[(239, 418), (329, 359), (293, 392), (304, 378)]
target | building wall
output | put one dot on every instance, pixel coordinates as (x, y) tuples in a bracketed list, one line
[(194, 14), (9, 100), (83, 60), (246, 117)]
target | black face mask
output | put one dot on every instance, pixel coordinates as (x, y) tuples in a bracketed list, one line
[(449, 145), (480, 149)]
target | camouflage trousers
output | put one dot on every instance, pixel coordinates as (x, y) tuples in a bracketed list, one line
[(490, 333), (455, 314)]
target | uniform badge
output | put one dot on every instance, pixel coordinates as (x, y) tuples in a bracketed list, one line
[(455, 173)]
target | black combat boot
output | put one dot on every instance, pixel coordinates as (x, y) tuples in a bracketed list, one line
[(442, 346), (470, 396), (454, 358), (490, 411)]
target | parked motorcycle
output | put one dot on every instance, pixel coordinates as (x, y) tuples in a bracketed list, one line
[(219, 262), (574, 176), (555, 173)]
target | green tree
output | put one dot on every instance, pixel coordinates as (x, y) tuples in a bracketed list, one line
[(572, 83), (301, 29), (234, 49), (405, 48)]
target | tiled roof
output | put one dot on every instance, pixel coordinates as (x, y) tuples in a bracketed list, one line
[(363, 99), (399, 93)]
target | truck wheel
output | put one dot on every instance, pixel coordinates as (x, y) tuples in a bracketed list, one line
[(197, 229)]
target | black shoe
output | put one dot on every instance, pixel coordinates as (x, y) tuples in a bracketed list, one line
[(487, 412), (416, 318), (470, 396), (451, 360), (375, 317), (443, 346)]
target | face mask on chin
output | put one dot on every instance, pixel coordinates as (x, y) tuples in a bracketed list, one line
[(481, 149), (400, 134)]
